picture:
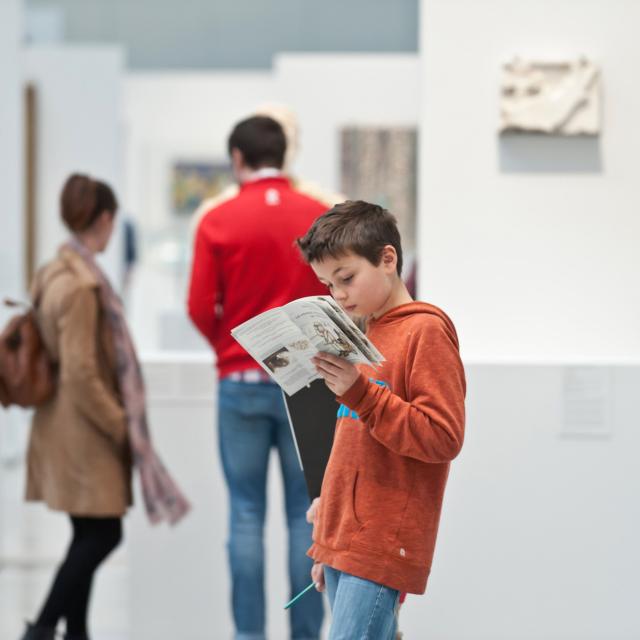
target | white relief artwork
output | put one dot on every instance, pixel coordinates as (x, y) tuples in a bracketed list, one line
[(557, 98)]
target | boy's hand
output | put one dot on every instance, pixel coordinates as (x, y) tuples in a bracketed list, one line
[(311, 511), (339, 374), (317, 575)]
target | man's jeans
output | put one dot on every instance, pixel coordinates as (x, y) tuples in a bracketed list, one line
[(361, 609), (252, 419)]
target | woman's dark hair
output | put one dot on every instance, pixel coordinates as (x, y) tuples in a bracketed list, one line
[(82, 201), (261, 141)]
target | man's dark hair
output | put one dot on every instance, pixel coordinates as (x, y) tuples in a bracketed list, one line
[(261, 141), (354, 225)]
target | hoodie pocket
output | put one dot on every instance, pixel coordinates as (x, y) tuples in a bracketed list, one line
[(379, 509), (417, 535), (336, 523)]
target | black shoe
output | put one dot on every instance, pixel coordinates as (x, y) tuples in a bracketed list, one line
[(71, 636), (34, 632)]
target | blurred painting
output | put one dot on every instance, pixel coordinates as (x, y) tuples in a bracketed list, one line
[(195, 181), (379, 164)]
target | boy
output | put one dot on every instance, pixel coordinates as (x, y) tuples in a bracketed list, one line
[(399, 426)]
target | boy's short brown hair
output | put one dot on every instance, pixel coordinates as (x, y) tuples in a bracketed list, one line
[(354, 225)]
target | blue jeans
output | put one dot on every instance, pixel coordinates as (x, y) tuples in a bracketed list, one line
[(361, 609), (252, 420)]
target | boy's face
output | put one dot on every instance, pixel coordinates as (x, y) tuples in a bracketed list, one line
[(361, 288)]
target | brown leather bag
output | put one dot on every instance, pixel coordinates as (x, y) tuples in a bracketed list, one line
[(27, 376)]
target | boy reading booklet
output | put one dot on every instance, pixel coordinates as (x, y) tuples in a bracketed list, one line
[(284, 340), (399, 426)]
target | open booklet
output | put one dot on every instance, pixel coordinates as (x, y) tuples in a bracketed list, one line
[(283, 340)]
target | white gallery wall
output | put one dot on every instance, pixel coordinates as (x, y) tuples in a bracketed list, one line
[(79, 129), (173, 115), (11, 239), (538, 534), (170, 117), (188, 116), (194, 603), (11, 172), (530, 243), (330, 92)]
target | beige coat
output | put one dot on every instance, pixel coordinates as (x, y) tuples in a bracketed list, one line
[(79, 459)]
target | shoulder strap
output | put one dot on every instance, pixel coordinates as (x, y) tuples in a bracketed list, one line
[(40, 283), (18, 304)]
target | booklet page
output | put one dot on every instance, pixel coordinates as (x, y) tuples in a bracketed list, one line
[(280, 347), (349, 327), (328, 332), (284, 340)]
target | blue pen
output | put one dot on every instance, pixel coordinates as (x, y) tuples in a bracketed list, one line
[(294, 600)]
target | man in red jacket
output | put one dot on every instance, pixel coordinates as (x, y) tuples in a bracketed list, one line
[(245, 262)]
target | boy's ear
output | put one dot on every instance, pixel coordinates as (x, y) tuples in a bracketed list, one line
[(389, 257)]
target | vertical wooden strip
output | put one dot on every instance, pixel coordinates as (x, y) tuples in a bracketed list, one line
[(30, 182)]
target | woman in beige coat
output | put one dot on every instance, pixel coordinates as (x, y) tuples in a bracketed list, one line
[(79, 459)]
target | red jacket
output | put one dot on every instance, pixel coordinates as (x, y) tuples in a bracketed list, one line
[(398, 428), (245, 262)]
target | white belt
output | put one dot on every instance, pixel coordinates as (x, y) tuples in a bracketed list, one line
[(249, 375)]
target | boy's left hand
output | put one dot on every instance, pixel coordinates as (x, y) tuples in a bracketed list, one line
[(339, 374), (312, 510)]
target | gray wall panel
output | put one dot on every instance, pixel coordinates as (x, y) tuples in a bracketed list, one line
[(205, 34)]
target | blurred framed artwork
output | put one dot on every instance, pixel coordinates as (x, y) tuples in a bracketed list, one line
[(379, 165), (193, 181)]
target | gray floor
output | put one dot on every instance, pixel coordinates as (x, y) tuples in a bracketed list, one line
[(23, 587), (33, 541)]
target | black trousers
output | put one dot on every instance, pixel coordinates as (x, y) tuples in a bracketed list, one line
[(93, 540)]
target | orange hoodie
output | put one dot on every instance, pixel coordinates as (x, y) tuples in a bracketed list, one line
[(398, 428)]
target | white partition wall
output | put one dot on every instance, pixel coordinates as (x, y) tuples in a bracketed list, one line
[(78, 94), (176, 116), (328, 92), (530, 242), (180, 115), (78, 129), (172, 117), (538, 534), (11, 252), (179, 585), (11, 241), (537, 540)]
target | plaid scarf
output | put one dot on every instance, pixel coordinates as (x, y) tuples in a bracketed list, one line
[(162, 498)]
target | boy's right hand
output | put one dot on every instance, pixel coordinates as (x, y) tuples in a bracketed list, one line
[(311, 511), (317, 575)]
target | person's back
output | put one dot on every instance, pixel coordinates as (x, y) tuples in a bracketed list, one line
[(244, 263), (78, 340), (286, 118), (257, 266)]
